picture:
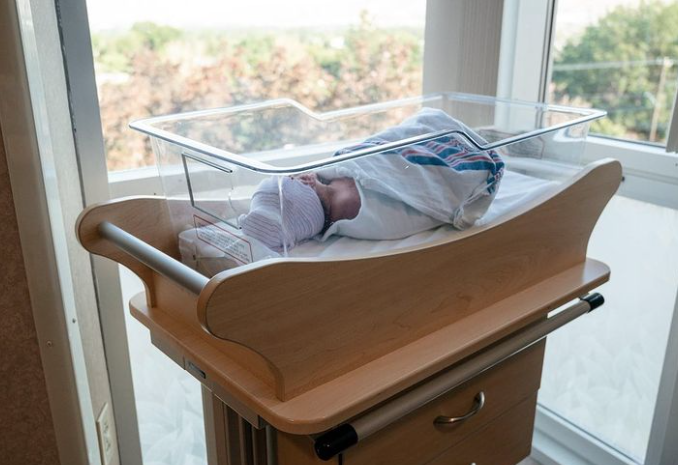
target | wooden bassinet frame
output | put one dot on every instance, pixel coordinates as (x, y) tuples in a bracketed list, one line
[(305, 344)]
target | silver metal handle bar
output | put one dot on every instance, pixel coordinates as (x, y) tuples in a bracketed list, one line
[(154, 258), (477, 407), (335, 441)]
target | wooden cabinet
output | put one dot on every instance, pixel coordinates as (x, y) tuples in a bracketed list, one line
[(297, 347), (500, 432), (504, 441)]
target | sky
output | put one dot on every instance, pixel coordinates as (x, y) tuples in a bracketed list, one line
[(573, 15), (118, 14)]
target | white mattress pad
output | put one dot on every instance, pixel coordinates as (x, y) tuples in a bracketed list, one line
[(515, 190)]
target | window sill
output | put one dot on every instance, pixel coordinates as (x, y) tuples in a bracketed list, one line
[(138, 181), (650, 173)]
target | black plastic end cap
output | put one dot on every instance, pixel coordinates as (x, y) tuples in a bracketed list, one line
[(335, 442), (595, 300)]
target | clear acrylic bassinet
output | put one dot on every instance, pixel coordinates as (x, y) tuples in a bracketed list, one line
[(211, 162)]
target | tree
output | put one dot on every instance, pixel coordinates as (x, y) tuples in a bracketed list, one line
[(154, 70), (155, 36), (618, 63)]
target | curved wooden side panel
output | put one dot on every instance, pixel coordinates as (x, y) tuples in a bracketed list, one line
[(143, 217), (148, 218), (316, 320)]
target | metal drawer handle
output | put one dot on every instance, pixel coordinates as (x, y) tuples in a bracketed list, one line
[(477, 407)]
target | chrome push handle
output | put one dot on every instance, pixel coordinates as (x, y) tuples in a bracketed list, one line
[(477, 407), (153, 258), (337, 440)]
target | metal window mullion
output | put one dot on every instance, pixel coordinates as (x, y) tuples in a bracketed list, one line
[(672, 141), (662, 447), (526, 37), (78, 62), (547, 57), (31, 207)]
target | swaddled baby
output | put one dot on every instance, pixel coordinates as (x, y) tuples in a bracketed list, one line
[(392, 195)]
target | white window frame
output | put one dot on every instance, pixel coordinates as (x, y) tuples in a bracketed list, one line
[(43, 243), (70, 160), (78, 61), (650, 174)]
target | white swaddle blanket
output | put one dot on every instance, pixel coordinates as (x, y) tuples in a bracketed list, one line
[(202, 254), (403, 190), (418, 187)]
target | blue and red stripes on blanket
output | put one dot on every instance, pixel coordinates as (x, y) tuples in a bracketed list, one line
[(445, 151)]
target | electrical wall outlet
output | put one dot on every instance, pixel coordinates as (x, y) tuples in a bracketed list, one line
[(106, 433)]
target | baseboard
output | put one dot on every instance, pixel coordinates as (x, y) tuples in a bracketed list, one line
[(558, 442)]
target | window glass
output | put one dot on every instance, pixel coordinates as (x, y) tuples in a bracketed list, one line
[(157, 57), (620, 56), (602, 371), (160, 57)]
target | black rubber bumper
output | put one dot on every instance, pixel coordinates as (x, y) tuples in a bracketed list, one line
[(335, 442), (595, 300)]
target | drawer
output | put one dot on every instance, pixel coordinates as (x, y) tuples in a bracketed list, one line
[(415, 439), (504, 441)]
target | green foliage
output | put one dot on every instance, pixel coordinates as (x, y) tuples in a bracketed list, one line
[(113, 51), (154, 70), (609, 127), (154, 36), (629, 45)]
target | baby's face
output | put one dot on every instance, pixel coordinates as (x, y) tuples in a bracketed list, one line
[(340, 198)]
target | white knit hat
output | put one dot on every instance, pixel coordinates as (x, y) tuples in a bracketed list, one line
[(302, 215)]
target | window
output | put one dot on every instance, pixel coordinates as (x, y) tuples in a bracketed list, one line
[(602, 374), (162, 58), (621, 56), (215, 54)]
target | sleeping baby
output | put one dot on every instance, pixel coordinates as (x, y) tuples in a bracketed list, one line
[(391, 195)]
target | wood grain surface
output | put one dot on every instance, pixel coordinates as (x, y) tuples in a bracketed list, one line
[(315, 320), (347, 396), (308, 343)]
